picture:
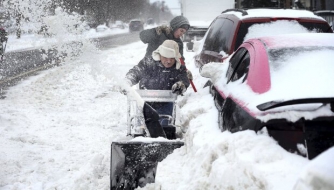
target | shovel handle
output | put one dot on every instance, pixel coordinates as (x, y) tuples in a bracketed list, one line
[(192, 85), (191, 81)]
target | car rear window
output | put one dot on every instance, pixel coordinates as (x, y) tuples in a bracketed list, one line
[(317, 27), (311, 26)]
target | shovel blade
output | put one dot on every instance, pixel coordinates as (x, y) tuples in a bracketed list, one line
[(134, 164), (152, 122)]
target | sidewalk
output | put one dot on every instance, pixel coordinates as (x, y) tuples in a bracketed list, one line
[(32, 41)]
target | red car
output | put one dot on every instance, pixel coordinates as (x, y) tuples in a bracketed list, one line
[(283, 83), (227, 32)]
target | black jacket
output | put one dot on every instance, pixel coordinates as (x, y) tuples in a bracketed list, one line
[(154, 40), (152, 75)]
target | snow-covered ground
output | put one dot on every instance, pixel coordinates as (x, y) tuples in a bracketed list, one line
[(37, 40), (56, 129), (28, 41)]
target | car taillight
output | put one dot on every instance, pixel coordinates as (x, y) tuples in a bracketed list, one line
[(275, 19)]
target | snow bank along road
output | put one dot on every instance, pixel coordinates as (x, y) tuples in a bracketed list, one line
[(22, 63)]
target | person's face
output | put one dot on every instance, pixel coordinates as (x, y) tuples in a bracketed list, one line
[(179, 32), (167, 62)]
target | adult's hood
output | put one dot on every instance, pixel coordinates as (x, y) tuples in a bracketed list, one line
[(179, 22)]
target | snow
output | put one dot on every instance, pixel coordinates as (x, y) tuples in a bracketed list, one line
[(56, 129), (30, 41), (275, 28), (289, 79), (277, 13)]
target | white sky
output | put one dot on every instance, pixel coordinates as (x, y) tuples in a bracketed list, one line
[(56, 129)]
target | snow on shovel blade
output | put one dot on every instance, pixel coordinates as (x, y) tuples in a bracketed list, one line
[(134, 164)]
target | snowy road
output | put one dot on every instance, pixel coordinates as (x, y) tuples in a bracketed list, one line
[(26, 62)]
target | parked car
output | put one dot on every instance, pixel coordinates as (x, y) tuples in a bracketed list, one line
[(150, 21), (101, 28), (136, 25), (119, 24), (194, 33), (281, 83), (228, 30), (327, 15)]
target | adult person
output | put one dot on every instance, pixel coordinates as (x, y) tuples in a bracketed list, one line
[(154, 37), (161, 71)]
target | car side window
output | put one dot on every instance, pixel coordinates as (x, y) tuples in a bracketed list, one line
[(213, 34), (218, 37), (238, 66)]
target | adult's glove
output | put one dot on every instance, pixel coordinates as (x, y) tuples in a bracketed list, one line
[(178, 88), (190, 75), (124, 86), (163, 28)]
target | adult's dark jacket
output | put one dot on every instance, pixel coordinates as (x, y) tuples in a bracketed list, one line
[(154, 37), (152, 75)]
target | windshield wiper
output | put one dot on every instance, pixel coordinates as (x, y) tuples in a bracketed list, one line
[(275, 104)]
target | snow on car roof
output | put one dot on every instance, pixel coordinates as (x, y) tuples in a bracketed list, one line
[(295, 40), (275, 28), (276, 13)]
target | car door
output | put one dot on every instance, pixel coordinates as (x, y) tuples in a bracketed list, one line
[(233, 117)]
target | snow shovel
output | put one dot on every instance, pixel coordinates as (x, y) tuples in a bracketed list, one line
[(152, 122), (190, 80), (134, 163)]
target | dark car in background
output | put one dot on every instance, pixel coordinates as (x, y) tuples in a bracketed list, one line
[(228, 30), (281, 83), (327, 15), (194, 33), (136, 25)]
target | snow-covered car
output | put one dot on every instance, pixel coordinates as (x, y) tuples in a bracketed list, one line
[(101, 28), (119, 24), (233, 26), (281, 83), (327, 15)]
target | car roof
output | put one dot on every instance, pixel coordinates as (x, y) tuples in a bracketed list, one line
[(135, 20), (272, 13), (297, 40), (324, 11)]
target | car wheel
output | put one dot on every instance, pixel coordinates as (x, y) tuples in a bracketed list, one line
[(220, 121), (226, 120)]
